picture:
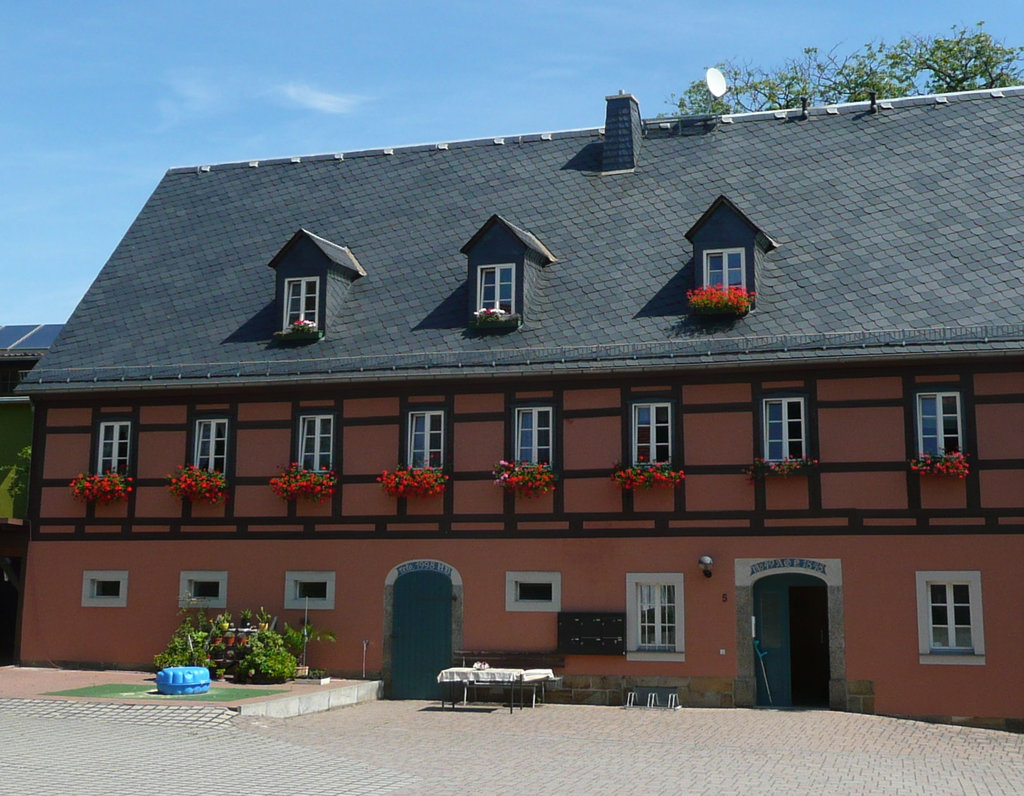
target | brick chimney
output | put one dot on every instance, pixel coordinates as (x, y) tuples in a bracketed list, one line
[(622, 131)]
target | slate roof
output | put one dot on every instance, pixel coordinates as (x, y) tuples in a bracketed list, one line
[(900, 233)]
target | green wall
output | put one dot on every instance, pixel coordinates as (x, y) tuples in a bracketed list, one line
[(15, 434)]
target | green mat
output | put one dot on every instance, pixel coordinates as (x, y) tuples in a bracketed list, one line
[(146, 691)]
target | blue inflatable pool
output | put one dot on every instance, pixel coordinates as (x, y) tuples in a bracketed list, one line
[(178, 680)]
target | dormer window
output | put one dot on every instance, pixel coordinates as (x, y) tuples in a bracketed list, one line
[(301, 301), (724, 268), (496, 287)]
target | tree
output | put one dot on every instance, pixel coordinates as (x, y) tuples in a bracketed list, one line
[(968, 59)]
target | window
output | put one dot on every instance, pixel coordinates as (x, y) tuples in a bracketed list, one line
[(496, 287), (316, 442), (106, 588), (311, 589), (950, 628), (426, 439), (533, 434), (203, 588), (724, 267), (938, 423), (533, 591), (114, 447), (652, 433), (784, 435), (211, 447), (300, 300), (654, 616)]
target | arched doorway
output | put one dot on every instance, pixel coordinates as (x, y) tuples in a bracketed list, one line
[(791, 638), (423, 614)]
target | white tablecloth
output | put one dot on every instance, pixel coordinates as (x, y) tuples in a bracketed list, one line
[(467, 674)]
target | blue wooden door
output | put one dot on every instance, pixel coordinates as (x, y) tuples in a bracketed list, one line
[(421, 640), (791, 628)]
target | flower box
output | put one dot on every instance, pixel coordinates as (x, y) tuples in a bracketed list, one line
[(524, 479), (198, 485), (720, 301), (413, 481), (297, 482), (492, 320), (110, 487), (299, 332), (647, 476), (953, 464), (762, 468)]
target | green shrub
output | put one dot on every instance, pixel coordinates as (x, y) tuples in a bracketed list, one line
[(189, 646), (267, 660)]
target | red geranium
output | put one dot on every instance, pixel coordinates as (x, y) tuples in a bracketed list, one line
[(296, 482), (526, 479), (646, 476), (198, 484), (413, 481), (111, 487), (953, 464), (718, 300)]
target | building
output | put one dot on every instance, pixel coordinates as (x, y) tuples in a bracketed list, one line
[(881, 243), (20, 348)]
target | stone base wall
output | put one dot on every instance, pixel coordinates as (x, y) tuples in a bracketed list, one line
[(582, 689), (860, 696)]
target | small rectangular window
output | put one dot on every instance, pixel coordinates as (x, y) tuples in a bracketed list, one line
[(316, 442), (533, 591), (950, 625), (115, 437), (724, 268), (534, 434), (784, 431), (938, 423), (652, 433), (211, 445), (301, 301), (426, 439), (107, 588), (309, 589), (654, 616), (496, 287), (204, 588)]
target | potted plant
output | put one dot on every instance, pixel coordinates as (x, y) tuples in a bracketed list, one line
[(952, 464), (413, 481), (267, 660), (646, 476), (525, 479), (296, 639), (300, 331), (245, 617), (111, 487), (495, 319), (198, 484), (762, 468), (719, 300), (263, 619), (295, 482)]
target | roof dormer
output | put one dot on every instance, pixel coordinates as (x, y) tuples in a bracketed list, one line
[(312, 277), (728, 248), (504, 262)]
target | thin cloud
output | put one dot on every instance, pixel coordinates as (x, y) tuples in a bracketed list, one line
[(306, 96)]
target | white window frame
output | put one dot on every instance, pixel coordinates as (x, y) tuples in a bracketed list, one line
[(218, 427), (186, 584), (322, 441), (939, 421), (653, 407), (531, 453), (118, 434), (514, 603), (786, 439), (950, 656), (309, 289), (724, 254), (498, 270), (634, 651), (421, 457), (92, 577), (293, 578)]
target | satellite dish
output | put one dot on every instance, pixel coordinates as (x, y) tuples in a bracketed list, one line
[(716, 82)]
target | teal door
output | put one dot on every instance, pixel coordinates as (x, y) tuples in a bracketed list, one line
[(421, 640), (791, 630)]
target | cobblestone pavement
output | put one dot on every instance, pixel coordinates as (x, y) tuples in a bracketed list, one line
[(83, 748), (559, 749)]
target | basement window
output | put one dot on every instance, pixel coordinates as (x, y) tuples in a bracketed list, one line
[(533, 591), (105, 588), (203, 588), (312, 589)]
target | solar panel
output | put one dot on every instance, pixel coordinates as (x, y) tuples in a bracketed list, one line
[(9, 335), (43, 337)]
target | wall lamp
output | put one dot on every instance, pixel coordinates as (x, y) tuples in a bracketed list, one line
[(706, 564)]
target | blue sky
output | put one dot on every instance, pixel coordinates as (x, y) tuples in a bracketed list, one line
[(100, 98)]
